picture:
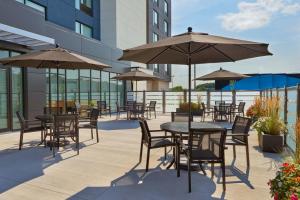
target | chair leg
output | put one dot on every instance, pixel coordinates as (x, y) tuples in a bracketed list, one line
[(178, 160), (234, 151), (247, 154), (148, 156), (97, 134), (155, 113), (212, 170), (189, 176), (53, 146), (92, 134), (21, 139), (141, 152), (165, 148), (77, 143), (223, 175)]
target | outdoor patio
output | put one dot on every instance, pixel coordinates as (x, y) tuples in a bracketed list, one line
[(110, 170)]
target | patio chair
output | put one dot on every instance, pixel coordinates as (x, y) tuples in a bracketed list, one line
[(154, 142), (205, 146), (209, 111), (220, 111), (151, 108), (65, 126), (139, 110), (103, 107), (130, 105), (239, 135), (120, 109), (239, 109), (92, 123), (27, 126)]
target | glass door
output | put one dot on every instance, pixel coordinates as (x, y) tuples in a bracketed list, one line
[(3, 100)]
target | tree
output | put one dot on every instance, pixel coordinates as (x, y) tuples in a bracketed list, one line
[(205, 87), (177, 89)]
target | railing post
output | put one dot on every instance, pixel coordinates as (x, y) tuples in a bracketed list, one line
[(208, 99), (184, 96), (285, 105), (260, 94), (298, 101), (271, 93), (164, 101), (144, 97), (234, 97), (277, 92)]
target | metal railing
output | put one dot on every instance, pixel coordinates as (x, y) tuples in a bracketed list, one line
[(168, 101), (290, 109)]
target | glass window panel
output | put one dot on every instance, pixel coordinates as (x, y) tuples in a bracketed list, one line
[(35, 6), (155, 67), (3, 99), (86, 31), (166, 27), (84, 87), (17, 95), (155, 18), (113, 91), (14, 53), (121, 94), (166, 7), (95, 74), (77, 27), (53, 89), (77, 4), (4, 54), (155, 37), (87, 3), (105, 86), (72, 87), (62, 90)]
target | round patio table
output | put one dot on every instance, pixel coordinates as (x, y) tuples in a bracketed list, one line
[(182, 129)]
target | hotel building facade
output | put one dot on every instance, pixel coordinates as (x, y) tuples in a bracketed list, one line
[(98, 29)]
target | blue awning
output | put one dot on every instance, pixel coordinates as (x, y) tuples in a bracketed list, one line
[(264, 81)]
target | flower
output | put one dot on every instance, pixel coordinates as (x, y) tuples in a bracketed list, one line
[(293, 197), (276, 196), (285, 164)]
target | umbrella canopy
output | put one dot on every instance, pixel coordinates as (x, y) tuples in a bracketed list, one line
[(136, 75), (222, 74), (195, 48), (198, 47), (53, 58)]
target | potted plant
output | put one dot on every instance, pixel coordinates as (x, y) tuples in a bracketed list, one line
[(195, 108), (271, 128), (257, 109)]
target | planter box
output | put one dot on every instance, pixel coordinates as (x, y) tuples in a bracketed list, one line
[(194, 113), (271, 143)]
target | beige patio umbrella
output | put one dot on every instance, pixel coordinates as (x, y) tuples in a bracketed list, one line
[(136, 75), (195, 48), (57, 58), (53, 58), (222, 74)]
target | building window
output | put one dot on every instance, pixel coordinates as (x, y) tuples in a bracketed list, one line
[(156, 2), (166, 9), (155, 68), (155, 37), (84, 5), (33, 5), (83, 29), (166, 27), (155, 18)]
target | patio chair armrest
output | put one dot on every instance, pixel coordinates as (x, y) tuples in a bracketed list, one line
[(161, 137), (233, 134), (157, 131)]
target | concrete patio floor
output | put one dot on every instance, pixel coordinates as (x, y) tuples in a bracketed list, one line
[(110, 170)]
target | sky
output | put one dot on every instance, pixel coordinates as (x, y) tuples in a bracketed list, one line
[(276, 22)]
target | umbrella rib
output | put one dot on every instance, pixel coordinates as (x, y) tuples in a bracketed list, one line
[(179, 51), (202, 48), (225, 55), (253, 49), (158, 55)]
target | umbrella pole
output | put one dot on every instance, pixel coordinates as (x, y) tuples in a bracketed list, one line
[(136, 90), (190, 77)]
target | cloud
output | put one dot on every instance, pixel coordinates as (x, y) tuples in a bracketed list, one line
[(253, 15)]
